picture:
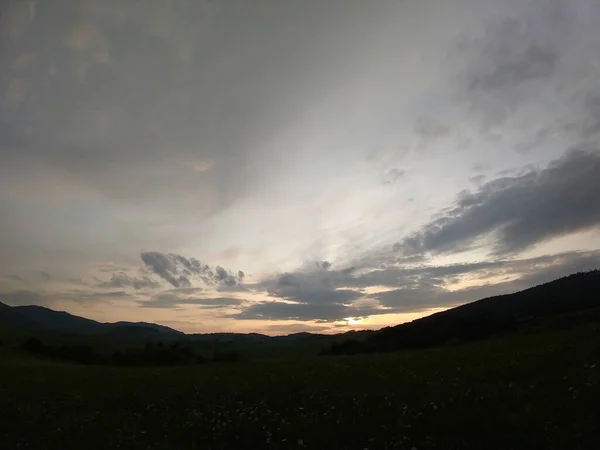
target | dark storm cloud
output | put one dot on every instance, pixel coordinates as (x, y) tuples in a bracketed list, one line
[(522, 210), (173, 300)]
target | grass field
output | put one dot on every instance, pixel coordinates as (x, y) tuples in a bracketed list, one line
[(528, 391)]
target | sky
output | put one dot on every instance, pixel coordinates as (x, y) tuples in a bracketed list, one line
[(279, 166)]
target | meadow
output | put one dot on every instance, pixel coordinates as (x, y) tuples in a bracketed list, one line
[(532, 390)]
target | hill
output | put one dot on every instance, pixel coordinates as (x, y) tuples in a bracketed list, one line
[(41, 318), (484, 318), (472, 321)]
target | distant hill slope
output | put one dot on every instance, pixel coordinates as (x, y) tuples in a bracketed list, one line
[(38, 317), (472, 321), (253, 337), (485, 317)]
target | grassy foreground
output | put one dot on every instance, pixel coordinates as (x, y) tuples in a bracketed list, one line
[(527, 391)]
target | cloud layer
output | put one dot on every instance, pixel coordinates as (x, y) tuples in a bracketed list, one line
[(354, 159), (521, 211)]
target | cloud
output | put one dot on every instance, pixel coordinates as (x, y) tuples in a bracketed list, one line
[(513, 64), (15, 277), (520, 53), (477, 179), (302, 312), (393, 175), (121, 280), (309, 287), (324, 264), (225, 278), (22, 298), (541, 137), (428, 128), (17, 17), (166, 266), (413, 289), (591, 122), (172, 300), (180, 271), (519, 211), (80, 295)]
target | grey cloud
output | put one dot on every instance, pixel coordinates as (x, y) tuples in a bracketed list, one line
[(80, 295), (541, 137), (519, 52), (166, 267), (15, 277), (591, 121), (23, 298), (514, 65), (324, 264), (303, 312), (121, 280), (159, 104), (171, 300), (317, 293), (44, 276), (521, 211), (48, 299), (180, 271), (477, 179), (415, 288), (480, 167), (228, 279), (110, 267), (429, 128), (520, 274), (311, 287), (393, 175)]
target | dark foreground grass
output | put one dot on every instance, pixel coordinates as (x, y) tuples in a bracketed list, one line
[(527, 392)]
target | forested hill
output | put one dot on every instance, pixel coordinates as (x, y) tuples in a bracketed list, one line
[(486, 317)]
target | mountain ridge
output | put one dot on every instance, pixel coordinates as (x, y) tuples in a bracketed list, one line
[(502, 312), (40, 317), (486, 317)]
